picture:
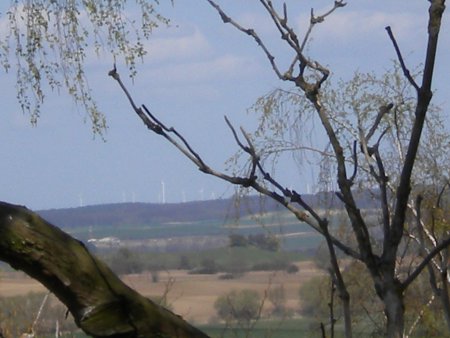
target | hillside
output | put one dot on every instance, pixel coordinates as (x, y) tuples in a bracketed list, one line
[(142, 213), (152, 213)]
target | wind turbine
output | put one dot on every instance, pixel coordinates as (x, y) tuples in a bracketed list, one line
[(163, 192)]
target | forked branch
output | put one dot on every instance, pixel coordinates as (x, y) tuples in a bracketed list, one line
[(288, 34)]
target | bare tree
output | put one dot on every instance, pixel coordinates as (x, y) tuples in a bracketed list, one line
[(309, 77)]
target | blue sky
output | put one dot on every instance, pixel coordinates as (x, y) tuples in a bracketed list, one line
[(197, 71)]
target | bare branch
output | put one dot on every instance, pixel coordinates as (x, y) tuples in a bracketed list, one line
[(431, 238), (432, 276), (152, 126), (297, 198), (441, 193), (382, 180), (420, 315), (226, 19), (383, 111), (355, 162), (174, 131), (288, 34), (318, 19), (424, 96), (284, 197), (236, 138), (406, 71), (441, 246)]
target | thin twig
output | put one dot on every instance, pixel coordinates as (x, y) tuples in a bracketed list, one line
[(226, 19), (318, 19)]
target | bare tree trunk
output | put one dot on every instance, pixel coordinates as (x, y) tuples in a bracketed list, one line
[(101, 304), (394, 309), (345, 298)]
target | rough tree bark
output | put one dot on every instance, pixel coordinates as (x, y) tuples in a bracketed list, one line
[(101, 304)]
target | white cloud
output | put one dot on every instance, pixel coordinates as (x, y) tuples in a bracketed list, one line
[(360, 25), (224, 67), (177, 47)]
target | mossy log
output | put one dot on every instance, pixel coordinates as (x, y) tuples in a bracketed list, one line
[(101, 304)]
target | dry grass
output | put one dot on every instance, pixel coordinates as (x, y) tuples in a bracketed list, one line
[(17, 283), (191, 296)]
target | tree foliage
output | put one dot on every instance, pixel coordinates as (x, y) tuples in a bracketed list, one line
[(288, 125), (49, 44)]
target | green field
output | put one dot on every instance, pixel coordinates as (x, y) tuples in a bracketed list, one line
[(266, 329), (293, 235), (275, 328)]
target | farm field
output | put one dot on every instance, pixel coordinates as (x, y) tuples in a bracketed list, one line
[(190, 295), (193, 296)]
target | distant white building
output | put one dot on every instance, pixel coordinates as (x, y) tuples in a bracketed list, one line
[(110, 242)]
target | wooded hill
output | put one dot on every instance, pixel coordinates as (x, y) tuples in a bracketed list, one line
[(150, 213)]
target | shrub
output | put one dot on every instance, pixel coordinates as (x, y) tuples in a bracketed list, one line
[(292, 268), (242, 306), (230, 275), (274, 265), (237, 240), (124, 261), (184, 263), (208, 267), (265, 242), (277, 296)]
